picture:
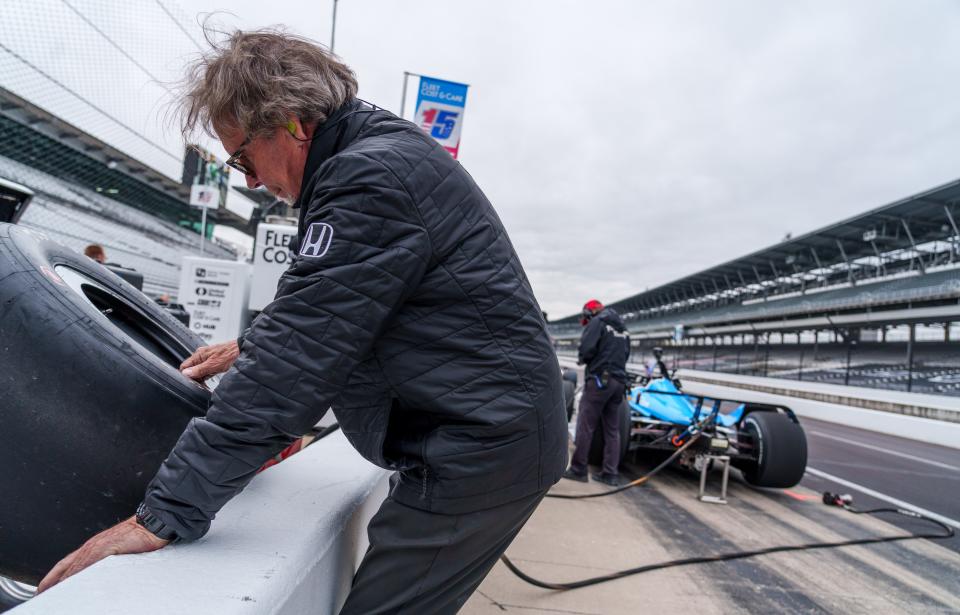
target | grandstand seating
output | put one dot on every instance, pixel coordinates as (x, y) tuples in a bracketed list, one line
[(932, 286), (902, 258), (77, 216)]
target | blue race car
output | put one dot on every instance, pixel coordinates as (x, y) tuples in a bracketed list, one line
[(765, 442)]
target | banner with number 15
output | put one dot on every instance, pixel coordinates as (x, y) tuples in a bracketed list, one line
[(440, 106)]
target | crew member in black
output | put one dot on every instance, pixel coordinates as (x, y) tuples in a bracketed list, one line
[(604, 350)]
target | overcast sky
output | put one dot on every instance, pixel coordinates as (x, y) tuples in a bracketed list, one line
[(625, 144)]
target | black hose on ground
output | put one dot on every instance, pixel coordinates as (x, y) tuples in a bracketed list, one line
[(631, 484), (828, 499)]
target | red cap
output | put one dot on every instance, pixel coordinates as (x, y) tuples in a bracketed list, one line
[(593, 305), (590, 309)]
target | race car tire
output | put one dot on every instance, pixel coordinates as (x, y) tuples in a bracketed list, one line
[(13, 594), (569, 390), (781, 450), (595, 457), (92, 399)]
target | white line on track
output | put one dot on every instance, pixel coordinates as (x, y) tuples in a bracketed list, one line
[(884, 450), (884, 497)]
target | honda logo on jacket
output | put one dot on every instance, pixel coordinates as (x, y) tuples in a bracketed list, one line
[(317, 240)]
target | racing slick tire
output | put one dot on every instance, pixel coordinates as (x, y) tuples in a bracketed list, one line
[(781, 450), (569, 392), (92, 398), (13, 594), (595, 457)]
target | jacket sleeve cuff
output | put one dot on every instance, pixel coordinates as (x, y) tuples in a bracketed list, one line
[(242, 335), (187, 530)]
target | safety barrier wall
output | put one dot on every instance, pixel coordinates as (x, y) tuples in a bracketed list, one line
[(889, 412), (930, 367), (922, 405), (937, 407), (289, 544), (931, 431)]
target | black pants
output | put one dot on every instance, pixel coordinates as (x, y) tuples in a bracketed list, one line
[(422, 562), (598, 406)]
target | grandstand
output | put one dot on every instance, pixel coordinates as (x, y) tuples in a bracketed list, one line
[(78, 126), (77, 216), (87, 191), (871, 300)]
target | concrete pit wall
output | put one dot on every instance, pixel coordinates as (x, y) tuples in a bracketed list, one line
[(288, 544)]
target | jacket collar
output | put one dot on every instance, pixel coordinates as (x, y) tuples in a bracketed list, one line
[(331, 137)]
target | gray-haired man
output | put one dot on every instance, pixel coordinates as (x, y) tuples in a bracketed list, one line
[(406, 310)]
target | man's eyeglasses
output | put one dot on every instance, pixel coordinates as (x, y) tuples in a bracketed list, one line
[(236, 161)]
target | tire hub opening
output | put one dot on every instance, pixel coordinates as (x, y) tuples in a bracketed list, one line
[(138, 326)]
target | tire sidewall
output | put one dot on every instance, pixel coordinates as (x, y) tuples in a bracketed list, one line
[(781, 450), (88, 413), (38, 258)]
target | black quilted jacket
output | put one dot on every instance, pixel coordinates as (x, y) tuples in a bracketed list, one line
[(407, 312)]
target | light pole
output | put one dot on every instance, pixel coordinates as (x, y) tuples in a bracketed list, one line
[(403, 96), (333, 28)]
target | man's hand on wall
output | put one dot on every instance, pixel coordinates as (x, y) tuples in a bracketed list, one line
[(123, 538), (210, 360)]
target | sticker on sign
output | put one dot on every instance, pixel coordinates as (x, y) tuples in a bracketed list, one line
[(206, 197)]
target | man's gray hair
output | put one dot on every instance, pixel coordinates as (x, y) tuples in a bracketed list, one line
[(258, 80)]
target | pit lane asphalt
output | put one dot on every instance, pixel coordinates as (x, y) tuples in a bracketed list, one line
[(912, 576), (922, 474), (568, 540), (661, 521)]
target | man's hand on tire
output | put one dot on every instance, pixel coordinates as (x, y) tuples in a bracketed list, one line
[(210, 360), (123, 538)]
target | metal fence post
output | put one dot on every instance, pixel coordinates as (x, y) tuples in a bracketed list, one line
[(816, 345), (800, 367), (846, 373), (756, 355), (910, 341), (766, 357)]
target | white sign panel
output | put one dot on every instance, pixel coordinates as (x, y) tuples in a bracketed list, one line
[(215, 294), (207, 197), (271, 257)]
